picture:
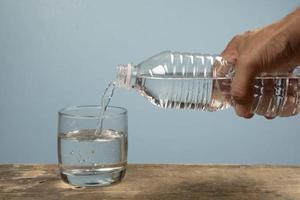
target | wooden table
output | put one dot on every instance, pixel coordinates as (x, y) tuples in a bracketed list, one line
[(158, 182)]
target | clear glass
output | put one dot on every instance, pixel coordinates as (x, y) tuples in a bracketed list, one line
[(87, 158)]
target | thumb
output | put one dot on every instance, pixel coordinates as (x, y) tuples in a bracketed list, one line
[(241, 87)]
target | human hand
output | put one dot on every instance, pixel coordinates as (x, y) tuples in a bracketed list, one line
[(272, 49)]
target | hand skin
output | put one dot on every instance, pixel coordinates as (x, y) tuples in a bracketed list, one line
[(273, 48)]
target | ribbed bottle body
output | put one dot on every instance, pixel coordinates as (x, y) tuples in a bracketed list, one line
[(193, 81)]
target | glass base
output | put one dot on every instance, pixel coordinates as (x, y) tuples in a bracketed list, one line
[(97, 177)]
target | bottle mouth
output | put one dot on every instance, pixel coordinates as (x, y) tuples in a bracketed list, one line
[(123, 75)]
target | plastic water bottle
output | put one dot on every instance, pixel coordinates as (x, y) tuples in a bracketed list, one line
[(203, 82)]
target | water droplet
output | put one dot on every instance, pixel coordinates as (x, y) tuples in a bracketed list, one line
[(93, 151), (94, 164), (72, 152)]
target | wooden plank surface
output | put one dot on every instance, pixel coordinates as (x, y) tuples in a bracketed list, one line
[(161, 182)]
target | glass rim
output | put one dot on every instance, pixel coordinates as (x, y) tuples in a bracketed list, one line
[(63, 111)]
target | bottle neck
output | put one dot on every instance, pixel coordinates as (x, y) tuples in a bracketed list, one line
[(126, 76)]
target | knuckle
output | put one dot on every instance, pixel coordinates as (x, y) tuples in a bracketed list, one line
[(241, 36), (233, 43), (250, 32), (236, 38), (243, 111)]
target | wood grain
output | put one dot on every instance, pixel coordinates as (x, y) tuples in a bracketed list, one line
[(159, 182)]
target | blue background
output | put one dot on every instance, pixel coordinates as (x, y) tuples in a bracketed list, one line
[(57, 53)]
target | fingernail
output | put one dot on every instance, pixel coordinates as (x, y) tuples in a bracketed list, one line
[(249, 115), (243, 111), (269, 117)]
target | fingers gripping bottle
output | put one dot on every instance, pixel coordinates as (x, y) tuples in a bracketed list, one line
[(203, 82)]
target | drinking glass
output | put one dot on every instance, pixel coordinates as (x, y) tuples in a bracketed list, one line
[(87, 157)]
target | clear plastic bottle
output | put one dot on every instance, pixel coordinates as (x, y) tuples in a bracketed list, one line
[(203, 82)]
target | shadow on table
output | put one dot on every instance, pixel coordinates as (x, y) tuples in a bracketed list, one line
[(216, 189)]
